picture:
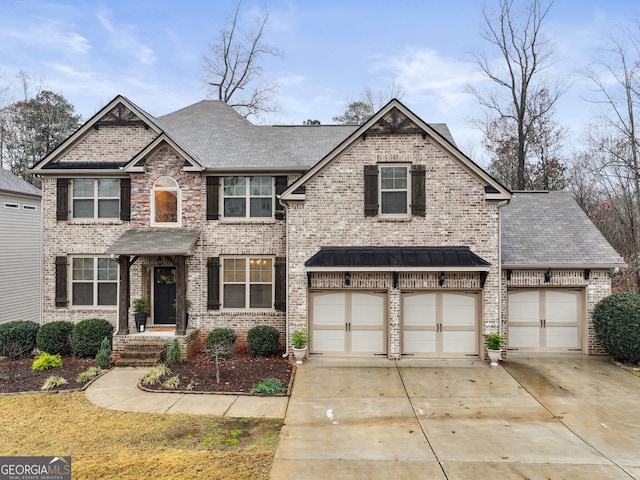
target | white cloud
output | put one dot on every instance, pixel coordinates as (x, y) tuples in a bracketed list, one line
[(123, 37)]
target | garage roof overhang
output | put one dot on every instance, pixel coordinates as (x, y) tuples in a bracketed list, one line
[(155, 242), (403, 259)]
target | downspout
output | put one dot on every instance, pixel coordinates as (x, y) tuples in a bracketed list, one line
[(500, 302), (286, 308)]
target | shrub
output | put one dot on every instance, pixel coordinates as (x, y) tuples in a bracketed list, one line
[(103, 358), (87, 337), (174, 355), (617, 323), (55, 338), (89, 374), (268, 386), (18, 338), (45, 361), (221, 340), (263, 341), (53, 382)]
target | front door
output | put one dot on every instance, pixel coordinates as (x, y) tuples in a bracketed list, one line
[(164, 295)]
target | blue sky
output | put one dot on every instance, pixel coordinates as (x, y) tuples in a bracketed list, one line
[(150, 51)]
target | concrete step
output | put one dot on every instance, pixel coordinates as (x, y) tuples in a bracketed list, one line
[(143, 354)]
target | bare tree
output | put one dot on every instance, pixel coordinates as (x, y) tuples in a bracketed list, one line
[(524, 54), (359, 111), (232, 69), (613, 148)]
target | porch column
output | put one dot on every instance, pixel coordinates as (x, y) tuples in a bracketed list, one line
[(123, 296), (181, 284)]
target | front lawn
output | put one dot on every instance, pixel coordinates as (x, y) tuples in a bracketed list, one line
[(107, 444)]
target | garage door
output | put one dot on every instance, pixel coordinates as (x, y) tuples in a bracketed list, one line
[(440, 324), (348, 323), (544, 320)]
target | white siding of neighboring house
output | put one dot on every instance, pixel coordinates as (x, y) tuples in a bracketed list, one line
[(20, 258)]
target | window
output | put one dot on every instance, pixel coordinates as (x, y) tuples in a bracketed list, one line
[(32, 208), (165, 200), (11, 205), (248, 197), (94, 281), (247, 283), (394, 190), (96, 198)]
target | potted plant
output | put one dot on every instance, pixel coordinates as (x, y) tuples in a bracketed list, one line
[(140, 312), (187, 306), (299, 339), (494, 346)]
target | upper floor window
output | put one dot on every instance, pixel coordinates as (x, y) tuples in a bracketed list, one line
[(394, 190), (248, 197), (96, 198), (94, 281), (165, 203), (247, 283)]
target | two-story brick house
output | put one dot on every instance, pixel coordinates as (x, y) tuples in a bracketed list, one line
[(381, 239)]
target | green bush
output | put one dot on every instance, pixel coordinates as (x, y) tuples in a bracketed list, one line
[(268, 386), (18, 338), (103, 358), (45, 361), (55, 338), (87, 337), (174, 355), (263, 341), (617, 323), (222, 340)]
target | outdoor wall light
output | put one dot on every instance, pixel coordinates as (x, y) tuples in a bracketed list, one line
[(347, 279), (547, 275), (441, 279)]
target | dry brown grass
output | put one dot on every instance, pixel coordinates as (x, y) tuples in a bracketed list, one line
[(107, 444)]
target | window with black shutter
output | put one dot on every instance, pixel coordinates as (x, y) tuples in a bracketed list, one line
[(213, 283), (281, 284), (62, 199), (281, 185), (213, 188), (62, 295), (418, 194), (370, 190), (125, 199)]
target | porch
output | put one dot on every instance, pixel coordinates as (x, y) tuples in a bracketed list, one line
[(149, 348)]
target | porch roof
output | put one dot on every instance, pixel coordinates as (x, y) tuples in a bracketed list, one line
[(155, 241), (396, 258)]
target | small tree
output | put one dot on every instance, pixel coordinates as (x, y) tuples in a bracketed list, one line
[(174, 355), (104, 356), (219, 351)]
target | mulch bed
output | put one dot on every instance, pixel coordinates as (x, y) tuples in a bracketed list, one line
[(28, 380), (237, 375)]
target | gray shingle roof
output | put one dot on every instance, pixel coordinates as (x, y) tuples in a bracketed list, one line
[(219, 138), (12, 183), (547, 229)]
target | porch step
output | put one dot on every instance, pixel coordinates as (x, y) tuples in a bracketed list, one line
[(145, 353)]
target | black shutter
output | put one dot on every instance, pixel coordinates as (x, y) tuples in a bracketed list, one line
[(281, 284), (418, 197), (370, 190), (213, 187), (125, 199), (62, 199), (281, 185), (62, 297), (213, 283)]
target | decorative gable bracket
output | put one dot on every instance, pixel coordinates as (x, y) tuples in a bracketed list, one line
[(120, 115)]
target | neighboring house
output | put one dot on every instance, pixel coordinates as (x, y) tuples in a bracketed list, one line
[(382, 239), (20, 249)]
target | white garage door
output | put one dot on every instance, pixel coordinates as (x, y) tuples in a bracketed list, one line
[(544, 320), (348, 323), (440, 324)]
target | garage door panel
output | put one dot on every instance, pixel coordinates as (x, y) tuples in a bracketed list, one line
[(459, 309), (367, 309), (363, 341), (419, 310), (562, 337), (416, 341), (329, 309), (524, 306), (561, 307), (463, 342), (524, 337), (328, 340)]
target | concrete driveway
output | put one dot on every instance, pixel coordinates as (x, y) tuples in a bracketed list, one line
[(537, 417)]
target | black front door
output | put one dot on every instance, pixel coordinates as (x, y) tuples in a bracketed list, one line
[(164, 295)]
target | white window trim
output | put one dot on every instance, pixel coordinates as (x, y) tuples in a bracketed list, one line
[(406, 215), (247, 198), (178, 190), (96, 200), (248, 283), (95, 283)]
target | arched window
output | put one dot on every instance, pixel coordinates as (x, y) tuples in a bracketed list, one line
[(165, 203)]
